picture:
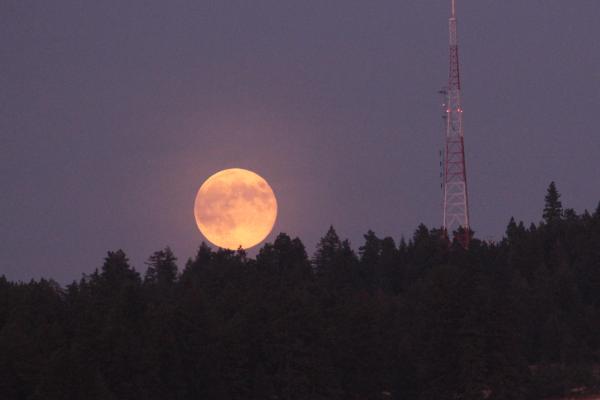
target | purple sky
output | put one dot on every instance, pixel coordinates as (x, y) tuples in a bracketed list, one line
[(112, 113)]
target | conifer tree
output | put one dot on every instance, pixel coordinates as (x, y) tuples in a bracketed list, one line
[(162, 270), (553, 210)]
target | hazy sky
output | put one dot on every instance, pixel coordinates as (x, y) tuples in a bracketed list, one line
[(112, 113)]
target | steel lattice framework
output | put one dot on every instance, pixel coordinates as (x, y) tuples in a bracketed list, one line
[(456, 201)]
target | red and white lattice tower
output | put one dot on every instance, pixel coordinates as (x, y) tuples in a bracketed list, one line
[(456, 201)]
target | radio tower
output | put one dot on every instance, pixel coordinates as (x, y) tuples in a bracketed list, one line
[(456, 202)]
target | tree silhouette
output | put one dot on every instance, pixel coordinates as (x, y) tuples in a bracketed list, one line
[(162, 270), (553, 207), (427, 319)]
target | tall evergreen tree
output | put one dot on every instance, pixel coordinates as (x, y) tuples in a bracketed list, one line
[(116, 271), (162, 270), (335, 263), (553, 210)]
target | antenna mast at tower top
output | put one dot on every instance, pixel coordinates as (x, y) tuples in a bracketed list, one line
[(456, 202)]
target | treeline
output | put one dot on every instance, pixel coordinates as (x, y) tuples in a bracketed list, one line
[(423, 319)]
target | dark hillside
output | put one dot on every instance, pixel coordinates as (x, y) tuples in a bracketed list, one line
[(419, 319)]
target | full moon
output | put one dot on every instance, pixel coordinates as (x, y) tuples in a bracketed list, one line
[(235, 208)]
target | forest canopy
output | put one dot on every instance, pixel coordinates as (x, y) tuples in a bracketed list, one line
[(423, 318)]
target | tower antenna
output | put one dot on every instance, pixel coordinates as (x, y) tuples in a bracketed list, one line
[(456, 201)]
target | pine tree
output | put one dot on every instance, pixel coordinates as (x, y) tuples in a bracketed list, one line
[(162, 270), (116, 271), (553, 210), (327, 249), (370, 254)]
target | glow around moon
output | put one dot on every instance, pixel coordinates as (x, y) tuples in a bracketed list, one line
[(235, 208)]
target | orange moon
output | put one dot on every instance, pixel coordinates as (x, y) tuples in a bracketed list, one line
[(235, 208)]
